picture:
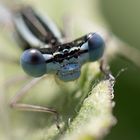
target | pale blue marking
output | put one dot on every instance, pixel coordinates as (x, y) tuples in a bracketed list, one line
[(25, 32)]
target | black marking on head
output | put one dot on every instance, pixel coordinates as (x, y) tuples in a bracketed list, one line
[(58, 57), (67, 50)]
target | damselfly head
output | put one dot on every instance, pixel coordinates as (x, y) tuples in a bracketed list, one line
[(66, 62)]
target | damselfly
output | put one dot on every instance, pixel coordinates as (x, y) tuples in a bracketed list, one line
[(46, 52)]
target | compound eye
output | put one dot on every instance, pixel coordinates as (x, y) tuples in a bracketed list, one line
[(33, 62), (96, 47)]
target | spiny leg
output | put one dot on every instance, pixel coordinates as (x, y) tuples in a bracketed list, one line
[(28, 107), (106, 71)]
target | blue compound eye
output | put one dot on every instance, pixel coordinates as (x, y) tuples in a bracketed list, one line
[(96, 47), (33, 62)]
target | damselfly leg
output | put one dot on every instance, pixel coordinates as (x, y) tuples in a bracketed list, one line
[(106, 70), (14, 103)]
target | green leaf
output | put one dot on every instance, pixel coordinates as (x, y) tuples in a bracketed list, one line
[(94, 118)]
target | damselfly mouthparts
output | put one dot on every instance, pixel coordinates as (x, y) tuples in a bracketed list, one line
[(46, 52)]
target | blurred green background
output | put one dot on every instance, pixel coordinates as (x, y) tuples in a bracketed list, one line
[(123, 19)]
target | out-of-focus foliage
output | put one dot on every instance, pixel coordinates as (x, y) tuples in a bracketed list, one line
[(124, 19)]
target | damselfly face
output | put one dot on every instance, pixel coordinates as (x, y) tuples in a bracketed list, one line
[(66, 62), (47, 54)]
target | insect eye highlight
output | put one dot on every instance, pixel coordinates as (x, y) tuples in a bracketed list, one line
[(33, 62), (96, 46)]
